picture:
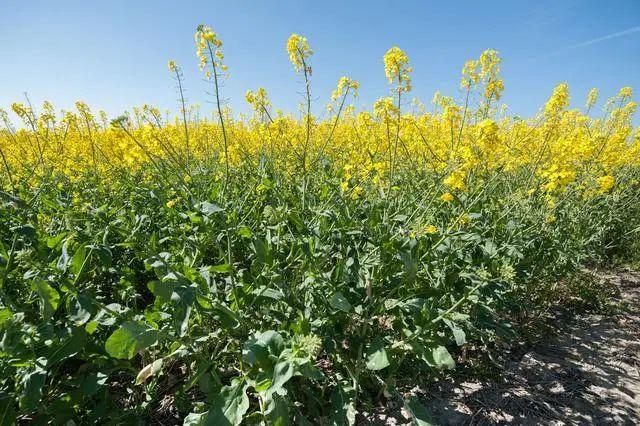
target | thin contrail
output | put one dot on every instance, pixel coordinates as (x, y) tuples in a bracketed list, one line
[(608, 37)]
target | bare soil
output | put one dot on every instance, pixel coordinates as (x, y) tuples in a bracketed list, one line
[(586, 372)]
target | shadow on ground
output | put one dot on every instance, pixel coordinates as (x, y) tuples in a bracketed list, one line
[(589, 373)]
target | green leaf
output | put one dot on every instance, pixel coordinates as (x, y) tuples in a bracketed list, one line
[(230, 406), (208, 209), (162, 290), (338, 301), (282, 373), (196, 419), (5, 316), (28, 232), (442, 358), (458, 334), (225, 267), (49, 298), (103, 253), (245, 232), (63, 261), (129, 339), (418, 412), (343, 409), (7, 410), (376, 355), (277, 411), (78, 260), (261, 350), (32, 384), (80, 309), (70, 346)]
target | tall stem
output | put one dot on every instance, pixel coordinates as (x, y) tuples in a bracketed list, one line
[(219, 106)]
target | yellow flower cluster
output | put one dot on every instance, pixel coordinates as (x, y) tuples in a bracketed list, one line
[(208, 50), (299, 50), (397, 69), (460, 143)]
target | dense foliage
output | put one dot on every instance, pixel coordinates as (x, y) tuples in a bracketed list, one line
[(278, 269)]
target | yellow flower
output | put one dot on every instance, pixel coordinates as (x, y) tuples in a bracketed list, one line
[(558, 101), (397, 69), (446, 197), (606, 183), (455, 180), (298, 49), (172, 66), (344, 85), (431, 229), (205, 38), (592, 98)]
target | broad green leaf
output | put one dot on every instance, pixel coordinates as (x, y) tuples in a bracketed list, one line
[(129, 339), (78, 260), (419, 413), (5, 316), (338, 301), (162, 290), (282, 373), (458, 334), (343, 409), (376, 355), (103, 254), (64, 259), (7, 410), (49, 298), (442, 358), (196, 419), (277, 410), (230, 405), (225, 267), (80, 309), (73, 344), (264, 348), (32, 384), (208, 208)]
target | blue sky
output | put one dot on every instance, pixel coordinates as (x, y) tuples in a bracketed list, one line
[(113, 54)]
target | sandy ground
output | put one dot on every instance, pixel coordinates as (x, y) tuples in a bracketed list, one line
[(588, 372)]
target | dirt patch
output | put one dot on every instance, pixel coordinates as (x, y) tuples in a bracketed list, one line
[(588, 372)]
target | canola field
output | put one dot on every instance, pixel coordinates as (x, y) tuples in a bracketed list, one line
[(281, 268)]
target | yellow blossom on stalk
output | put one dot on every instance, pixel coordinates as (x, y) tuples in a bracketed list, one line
[(172, 66), (397, 69), (605, 183), (259, 100), (431, 229), (206, 42), (625, 93), (455, 180), (558, 102), (299, 50), (592, 98), (385, 107), (446, 197), (470, 74), (344, 85)]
